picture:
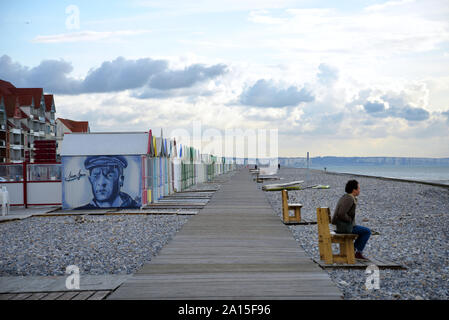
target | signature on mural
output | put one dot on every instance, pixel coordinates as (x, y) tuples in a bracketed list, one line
[(106, 176), (73, 177)]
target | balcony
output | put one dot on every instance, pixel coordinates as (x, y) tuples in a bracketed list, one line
[(16, 146)]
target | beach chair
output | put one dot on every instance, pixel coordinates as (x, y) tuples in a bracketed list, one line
[(4, 200), (327, 237), (286, 207)]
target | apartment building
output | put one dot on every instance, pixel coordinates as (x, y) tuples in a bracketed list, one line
[(26, 115)]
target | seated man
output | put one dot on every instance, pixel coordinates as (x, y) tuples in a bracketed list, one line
[(344, 218)]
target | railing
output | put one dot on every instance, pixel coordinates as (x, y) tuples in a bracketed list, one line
[(32, 184)]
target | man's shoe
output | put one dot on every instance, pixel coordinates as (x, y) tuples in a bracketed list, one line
[(359, 255)]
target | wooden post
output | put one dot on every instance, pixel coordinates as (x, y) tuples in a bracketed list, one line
[(285, 215), (324, 236)]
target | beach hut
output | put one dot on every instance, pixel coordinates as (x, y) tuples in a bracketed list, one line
[(116, 170)]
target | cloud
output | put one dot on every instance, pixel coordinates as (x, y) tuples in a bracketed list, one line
[(49, 74), (265, 94), (122, 74), (112, 76), (327, 74), (446, 114), (175, 79), (410, 113), (262, 17), (150, 93), (87, 36), (374, 107), (387, 5), (397, 108)]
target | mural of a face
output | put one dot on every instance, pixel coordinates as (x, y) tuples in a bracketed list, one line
[(111, 181), (106, 182)]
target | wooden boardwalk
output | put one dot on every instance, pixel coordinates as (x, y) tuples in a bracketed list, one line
[(57, 295), (235, 248)]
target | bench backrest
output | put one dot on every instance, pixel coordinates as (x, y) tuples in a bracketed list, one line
[(284, 203), (324, 235)]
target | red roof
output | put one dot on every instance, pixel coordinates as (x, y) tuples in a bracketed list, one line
[(25, 100), (6, 84), (12, 106), (37, 94), (75, 126), (48, 102), (5, 87)]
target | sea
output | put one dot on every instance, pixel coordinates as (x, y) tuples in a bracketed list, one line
[(434, 174)]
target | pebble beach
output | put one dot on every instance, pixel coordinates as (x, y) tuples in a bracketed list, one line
[(411, 220), (121, 244)]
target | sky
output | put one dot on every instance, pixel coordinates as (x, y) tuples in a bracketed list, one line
[(334, 78)]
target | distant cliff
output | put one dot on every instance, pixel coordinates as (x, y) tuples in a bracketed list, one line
[(362, 161)]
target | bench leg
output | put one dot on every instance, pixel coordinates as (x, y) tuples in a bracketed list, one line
[(285, 216), (297, 217), (325, 247), (347, 249)]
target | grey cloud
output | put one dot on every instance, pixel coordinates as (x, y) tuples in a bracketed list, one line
[(150, 93), (446, 113), (122, 74), (112, 76), (11, 71), (398, 108), (372, 107), (412, 114), (49, 74), (175, 79), (264, 94), (327, 74)]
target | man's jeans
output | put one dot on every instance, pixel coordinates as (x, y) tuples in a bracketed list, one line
[(363, 236)]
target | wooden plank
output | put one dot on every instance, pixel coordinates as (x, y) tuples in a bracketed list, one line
[(7, 296), (21, 296), (83, 295), (53, 295), (37, 296), (68, 295), (99, 295), (235, 247), (360, 265)]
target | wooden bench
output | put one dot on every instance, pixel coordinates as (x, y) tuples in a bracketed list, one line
[(327, 237), (286, 207)]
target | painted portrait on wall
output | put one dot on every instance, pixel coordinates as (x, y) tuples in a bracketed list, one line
[(95, 182)]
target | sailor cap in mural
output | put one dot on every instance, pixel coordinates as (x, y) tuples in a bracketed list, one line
[(97, 161)]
